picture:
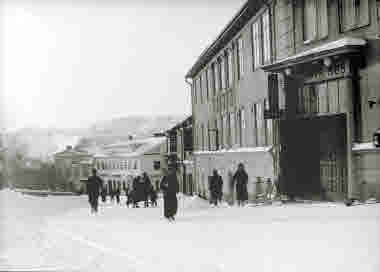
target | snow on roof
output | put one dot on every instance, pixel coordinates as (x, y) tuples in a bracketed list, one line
[(346, 41), (237, 150), (151, 140), (138, 147)]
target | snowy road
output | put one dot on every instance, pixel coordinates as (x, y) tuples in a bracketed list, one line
[(59, 233)]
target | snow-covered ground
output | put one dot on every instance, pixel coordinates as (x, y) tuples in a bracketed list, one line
[(59, 233)]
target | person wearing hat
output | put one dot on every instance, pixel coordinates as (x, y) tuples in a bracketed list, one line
[(94, 183)]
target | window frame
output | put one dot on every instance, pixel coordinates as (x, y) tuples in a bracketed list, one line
[(319, 31), (358, 24), (240, 57), (230, 68)]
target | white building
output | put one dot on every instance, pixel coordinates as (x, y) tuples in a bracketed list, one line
[(120, 162)]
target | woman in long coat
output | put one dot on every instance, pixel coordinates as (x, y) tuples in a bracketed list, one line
[(170, 187), (241, 179)]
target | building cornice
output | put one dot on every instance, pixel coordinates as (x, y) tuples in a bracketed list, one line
[(236, 24)]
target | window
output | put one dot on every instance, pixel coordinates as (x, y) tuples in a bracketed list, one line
[(256, 41), (232, 128), (230, 68), (210, 80), (266, 37), (200, 88), (221, 134), (353, 14), (254, 125), (260, 124), (269, 127), (205, 84), (214, 79), (261, 40), (240, 59), (203, 136), (223, 72), (315, 20), (242, 125), (217, 76), (157, 165)]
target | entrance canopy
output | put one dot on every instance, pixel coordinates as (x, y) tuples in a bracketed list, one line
[(347, 45)]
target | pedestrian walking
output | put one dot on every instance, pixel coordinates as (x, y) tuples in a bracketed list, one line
[(241, 179), (94, 183), (138, 191), (147, 187), (103, 194), (219, 188), (213, 188), (153, 196), (170, 187), (117, 193)]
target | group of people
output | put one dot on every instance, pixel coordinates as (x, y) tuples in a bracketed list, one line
[(113, 192), (142, 190), (238, 180)]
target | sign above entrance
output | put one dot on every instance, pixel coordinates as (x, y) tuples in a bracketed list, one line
[(336, 69)]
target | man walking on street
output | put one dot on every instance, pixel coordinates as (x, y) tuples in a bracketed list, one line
[(94, 183), (170, 188)]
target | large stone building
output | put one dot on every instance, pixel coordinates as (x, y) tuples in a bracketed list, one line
[(291, 89)]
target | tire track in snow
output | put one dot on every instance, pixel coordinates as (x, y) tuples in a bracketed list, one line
[(133, 262)]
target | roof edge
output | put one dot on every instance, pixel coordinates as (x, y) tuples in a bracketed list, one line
[(195, 69)]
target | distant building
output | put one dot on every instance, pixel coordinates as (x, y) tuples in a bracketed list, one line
[(72, 166), (180, 153), (121, 162)]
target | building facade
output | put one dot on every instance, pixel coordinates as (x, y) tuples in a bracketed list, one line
[(286, 89), (180, 153), (121, 162), (229, 95), (72, 167)]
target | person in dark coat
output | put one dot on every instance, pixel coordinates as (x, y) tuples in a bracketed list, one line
[(94, 183), (213, 187), (219, 188), (153, 196), (117, 193), (103, 193), (136, 193), (170, 187), (241, 179), (147, 188)]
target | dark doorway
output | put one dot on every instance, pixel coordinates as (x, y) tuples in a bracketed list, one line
[(313, 157)]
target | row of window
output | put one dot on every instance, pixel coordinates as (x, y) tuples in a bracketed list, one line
[(352, 14), (221, 73), (232, 129), (117, 164)]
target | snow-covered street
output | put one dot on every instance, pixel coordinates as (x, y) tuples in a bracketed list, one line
[(59, 233)]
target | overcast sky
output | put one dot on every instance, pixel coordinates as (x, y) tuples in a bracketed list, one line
[(70, 63)]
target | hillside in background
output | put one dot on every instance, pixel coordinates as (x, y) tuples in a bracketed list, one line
[(140, 126), (42, 143)]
